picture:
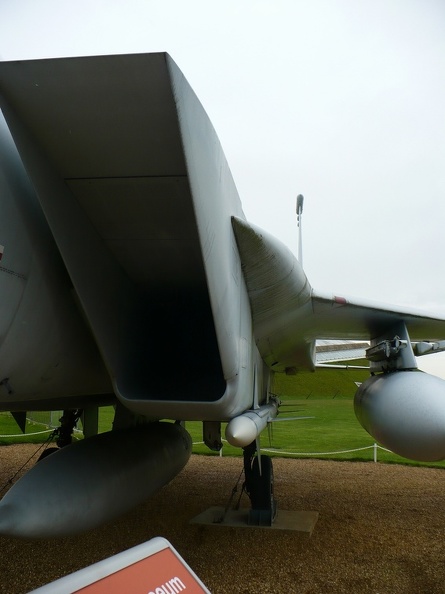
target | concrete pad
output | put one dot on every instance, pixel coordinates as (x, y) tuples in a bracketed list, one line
[(298, 521)]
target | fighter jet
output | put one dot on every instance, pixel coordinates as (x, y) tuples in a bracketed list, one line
[(130, 277)]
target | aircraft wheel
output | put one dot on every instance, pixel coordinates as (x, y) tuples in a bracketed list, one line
[(262, 492), (47, 453)]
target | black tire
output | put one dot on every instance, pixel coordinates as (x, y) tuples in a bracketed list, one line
[(47, 453), (261, 487)]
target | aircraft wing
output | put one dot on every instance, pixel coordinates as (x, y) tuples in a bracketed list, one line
[(338, 317), (289, 316)]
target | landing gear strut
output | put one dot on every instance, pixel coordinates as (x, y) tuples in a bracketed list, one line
[(259, 487), (63, 433), (68, 421)]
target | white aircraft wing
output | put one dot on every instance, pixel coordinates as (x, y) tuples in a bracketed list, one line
[(339, 317), (289, 316)]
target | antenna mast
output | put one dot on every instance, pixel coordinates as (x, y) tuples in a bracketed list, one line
[(300, 200)]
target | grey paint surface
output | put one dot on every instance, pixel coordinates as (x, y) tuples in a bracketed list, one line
[(94, 480), (139, 199)]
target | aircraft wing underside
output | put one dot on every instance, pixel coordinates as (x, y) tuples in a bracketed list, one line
[(344, 317), (137, 196)]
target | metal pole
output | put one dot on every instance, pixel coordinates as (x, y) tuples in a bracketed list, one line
[(300, 234)]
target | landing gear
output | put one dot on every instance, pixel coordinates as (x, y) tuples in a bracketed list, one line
[(63, 433), (47, 453), (68, 422), (259, 487)]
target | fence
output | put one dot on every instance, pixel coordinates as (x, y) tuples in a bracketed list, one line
[(27, 434), (374, 447), (50, 419)]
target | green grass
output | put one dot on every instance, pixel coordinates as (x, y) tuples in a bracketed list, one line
[(8, 427), (326, 395), (37, 432), (323, 383), (334, 428)]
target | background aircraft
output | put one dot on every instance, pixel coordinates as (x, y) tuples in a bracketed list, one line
[(130, 276)]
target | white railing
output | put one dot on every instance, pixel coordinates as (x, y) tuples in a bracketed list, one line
[(374, 447), (27, 434)]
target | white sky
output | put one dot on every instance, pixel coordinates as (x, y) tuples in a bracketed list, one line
[(340, 100)]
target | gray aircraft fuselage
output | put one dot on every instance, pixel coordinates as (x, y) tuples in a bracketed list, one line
[(130, 276)]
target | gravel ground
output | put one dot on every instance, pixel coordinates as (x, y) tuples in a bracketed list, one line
[(381, 529)]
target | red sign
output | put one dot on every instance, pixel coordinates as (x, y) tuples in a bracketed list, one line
[(162, 573), (153, 567)]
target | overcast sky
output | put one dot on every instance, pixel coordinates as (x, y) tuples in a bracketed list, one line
[(340, 100)]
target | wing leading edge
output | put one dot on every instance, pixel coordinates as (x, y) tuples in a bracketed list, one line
[(338, 317), (289, 315)]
